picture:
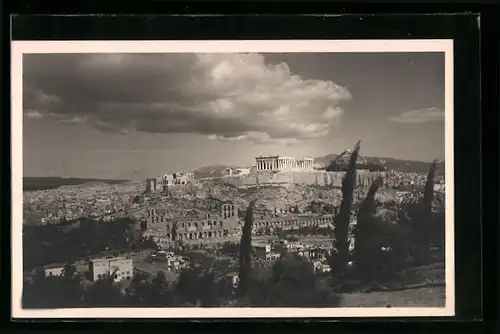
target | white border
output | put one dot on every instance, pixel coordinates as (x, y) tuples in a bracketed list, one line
[(264, 46)]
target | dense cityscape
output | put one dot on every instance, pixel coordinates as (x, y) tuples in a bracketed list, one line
[(133, 234)]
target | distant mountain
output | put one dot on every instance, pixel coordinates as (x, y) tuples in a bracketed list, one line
[(341, 163), (42, 183), (408, 166), (210, 171)]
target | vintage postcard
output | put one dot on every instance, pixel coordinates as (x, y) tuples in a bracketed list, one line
[(229, 179)]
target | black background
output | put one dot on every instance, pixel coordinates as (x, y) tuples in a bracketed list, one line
[(476, 104)]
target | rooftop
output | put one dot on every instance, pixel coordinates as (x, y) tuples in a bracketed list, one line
[(54, 265), (109, 259)]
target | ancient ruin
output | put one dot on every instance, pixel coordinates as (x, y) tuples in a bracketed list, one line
[(280, 163)]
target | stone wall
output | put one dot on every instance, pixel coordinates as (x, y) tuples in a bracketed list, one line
[(320, 178)]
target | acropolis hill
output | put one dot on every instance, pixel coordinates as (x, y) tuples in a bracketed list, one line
[(282, 170), (277, 170)]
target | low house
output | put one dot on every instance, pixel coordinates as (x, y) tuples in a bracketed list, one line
[(56, 269), (119, 268)]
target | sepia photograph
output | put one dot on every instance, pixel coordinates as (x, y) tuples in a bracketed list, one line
[(195, 179)]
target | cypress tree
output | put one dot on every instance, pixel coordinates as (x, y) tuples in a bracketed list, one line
[(424, 222), (363, 238), (174, 231), (340, 254), (429, 191), (246, 250)]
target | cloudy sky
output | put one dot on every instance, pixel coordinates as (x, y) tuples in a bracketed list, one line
[(139, 115)]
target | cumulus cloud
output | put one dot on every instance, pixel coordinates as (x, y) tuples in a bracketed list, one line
[(222, 96), (419, 116)]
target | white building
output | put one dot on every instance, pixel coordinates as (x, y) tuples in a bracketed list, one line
[(119, 268), (54, 270)]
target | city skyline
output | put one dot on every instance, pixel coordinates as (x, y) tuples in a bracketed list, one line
[(138, 115)]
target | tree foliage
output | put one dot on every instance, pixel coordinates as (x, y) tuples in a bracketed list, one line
[(367, 245), (246, 249), (340, 256), (80, 239)]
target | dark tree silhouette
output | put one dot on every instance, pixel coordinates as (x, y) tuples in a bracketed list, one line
[(53, 291), (293, 283), (197, 286), (246, 250), (103, 293), (340, 254), (79, 239), (158, 293), (69, 271), (173, 231), (365, 248), (424, 227)]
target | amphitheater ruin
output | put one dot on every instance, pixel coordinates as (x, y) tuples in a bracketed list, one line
[(220, 224)]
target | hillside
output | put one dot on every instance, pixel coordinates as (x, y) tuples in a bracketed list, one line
[(199, 196), (422, 286), (210, 171)]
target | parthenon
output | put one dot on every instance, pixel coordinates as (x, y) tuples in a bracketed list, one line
[(283, 163)]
